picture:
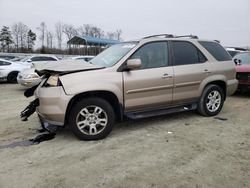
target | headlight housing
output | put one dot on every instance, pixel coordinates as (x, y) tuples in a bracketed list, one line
[(28, 76), (52, 81)]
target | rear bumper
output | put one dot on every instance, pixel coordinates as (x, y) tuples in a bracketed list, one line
[(231, 86)]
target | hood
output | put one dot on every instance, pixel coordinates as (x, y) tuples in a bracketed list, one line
[(243, 68), (64, 67)]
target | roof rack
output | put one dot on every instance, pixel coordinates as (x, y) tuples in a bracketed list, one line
[(189, 36), (171, 36), (160, 35)]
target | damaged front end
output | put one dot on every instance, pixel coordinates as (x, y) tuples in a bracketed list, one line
[(51, 100)]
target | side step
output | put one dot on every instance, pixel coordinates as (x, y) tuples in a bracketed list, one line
[(157, 112)]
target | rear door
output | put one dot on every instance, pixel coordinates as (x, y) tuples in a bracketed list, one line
[(190, 68), (151, 86)]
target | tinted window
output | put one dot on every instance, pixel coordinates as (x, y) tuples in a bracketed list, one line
[(152, 55), (2, 63), (48, 59), (216, 50), (186, 53), (37, 59), (243, 57)]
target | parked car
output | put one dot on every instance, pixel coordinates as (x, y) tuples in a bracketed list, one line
[(242, 61), (28, 77), (7, 57), (153, 76), (9, 70), (35, 58), (84, 58), (235, 50)]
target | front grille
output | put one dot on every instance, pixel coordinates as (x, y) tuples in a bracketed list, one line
[(243, 76)]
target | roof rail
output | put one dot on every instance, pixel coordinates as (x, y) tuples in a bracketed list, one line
[(160, 35), (190, 36)]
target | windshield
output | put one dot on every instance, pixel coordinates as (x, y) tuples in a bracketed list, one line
[(243, 57), (113, 54)]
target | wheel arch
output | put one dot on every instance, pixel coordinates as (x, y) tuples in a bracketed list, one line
[(221, 83), (109, 96)]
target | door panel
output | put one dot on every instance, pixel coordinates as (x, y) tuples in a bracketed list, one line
[(146, 89), (187, 81), (150, 86), (190, 69)]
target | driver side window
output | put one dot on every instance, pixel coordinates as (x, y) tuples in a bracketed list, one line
[(152, 55)]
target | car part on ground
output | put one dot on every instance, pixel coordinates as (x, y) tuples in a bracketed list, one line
[(152, 76)]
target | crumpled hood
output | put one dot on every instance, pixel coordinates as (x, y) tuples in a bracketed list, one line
[(64, 67)]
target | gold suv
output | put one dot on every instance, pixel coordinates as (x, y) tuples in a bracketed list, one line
[(156, 75)]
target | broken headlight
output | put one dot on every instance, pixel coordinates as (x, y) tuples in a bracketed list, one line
[(52, 81)]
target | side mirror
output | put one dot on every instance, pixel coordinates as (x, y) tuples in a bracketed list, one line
[(29, 60), (133, 64)]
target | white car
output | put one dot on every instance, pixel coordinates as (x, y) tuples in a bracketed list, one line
[(84, 58), (35, 58), (9, 70), (28, 77)]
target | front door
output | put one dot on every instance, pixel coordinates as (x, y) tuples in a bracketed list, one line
[(150, 86)]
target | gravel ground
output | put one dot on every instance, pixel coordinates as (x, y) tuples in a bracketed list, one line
[(180, 150)]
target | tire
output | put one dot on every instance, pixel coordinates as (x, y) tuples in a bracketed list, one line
[(12, 77), (91, 119), (211, 101)]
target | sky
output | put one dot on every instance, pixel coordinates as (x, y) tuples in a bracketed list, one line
[(223, 20)]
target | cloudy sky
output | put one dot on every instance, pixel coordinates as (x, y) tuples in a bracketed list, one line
[(224, 20)]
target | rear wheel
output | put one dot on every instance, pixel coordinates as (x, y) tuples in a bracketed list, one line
[(92, 119), (211, 101), (12, 77)]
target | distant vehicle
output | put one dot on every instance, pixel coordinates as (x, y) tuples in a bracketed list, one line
[(242, 61), (85, 58), (9, 70), (35, 58), (28, 77), (8, 57), (235, 50)]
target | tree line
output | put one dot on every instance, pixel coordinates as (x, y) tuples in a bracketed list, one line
[(20, 38)]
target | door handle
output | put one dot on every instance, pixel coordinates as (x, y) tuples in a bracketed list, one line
[(206, 71), (166, 75)]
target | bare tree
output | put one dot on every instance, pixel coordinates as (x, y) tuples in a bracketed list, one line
[(111, 35), (96, 32), (118, 34), (69, 31), (23, 35), (59, 32), (84, 29), (42, 29), (49, 37), (20, 31)]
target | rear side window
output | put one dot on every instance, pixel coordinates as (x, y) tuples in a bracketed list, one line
[(216, 50), (2, 63), (186, 53)]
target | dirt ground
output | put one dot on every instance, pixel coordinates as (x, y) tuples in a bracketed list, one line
[(180, 150)]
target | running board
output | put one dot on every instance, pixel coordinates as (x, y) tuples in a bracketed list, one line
[(151, 113)]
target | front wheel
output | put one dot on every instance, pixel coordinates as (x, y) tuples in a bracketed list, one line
[(211, 101), (92, 119), (12, 77)]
